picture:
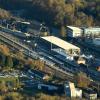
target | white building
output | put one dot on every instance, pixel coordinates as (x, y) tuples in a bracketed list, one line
[(92, 35), (71, 91), (74, 32), (92, 31), (78, 92)]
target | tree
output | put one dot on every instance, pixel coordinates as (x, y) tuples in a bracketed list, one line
[(30, 63), (20, 55), (4, 14), (20, 64), (63, 31), (82, 80), (39, 64), (14, 96), (3, 59), (9, 62), (3, 87), (90, 21), (42, 96), (4, 49), (53, 11)]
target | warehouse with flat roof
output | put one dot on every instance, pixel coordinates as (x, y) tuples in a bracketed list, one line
[(68, 47), (73, 32)]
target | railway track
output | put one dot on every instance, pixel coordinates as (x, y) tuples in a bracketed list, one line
[(15, 43)]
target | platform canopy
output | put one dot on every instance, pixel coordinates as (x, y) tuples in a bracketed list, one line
[(60, 43)]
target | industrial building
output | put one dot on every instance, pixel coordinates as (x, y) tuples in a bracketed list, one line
[(51, 88), (14, 32), (55, 42), (92, 35), (89, 94), (92, 31), (74, 32)]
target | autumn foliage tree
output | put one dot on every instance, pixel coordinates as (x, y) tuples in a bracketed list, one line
[(39, 64), (55, 12), (4, 49), (4, 14), (82, 80), (30, 63)]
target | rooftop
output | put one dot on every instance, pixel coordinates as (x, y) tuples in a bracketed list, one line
[(24, 22), (74, 28), (60, 43), (40, 73), (93, 28), (88, 90)]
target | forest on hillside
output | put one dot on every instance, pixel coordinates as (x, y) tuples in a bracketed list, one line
[(56, 12)]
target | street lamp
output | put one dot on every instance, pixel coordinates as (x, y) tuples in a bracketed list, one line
[(35, 46), (7, 26)]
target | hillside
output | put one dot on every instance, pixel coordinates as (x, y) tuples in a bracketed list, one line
[(57, 12)]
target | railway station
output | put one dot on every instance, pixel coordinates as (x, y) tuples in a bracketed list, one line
[(59, 45)]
